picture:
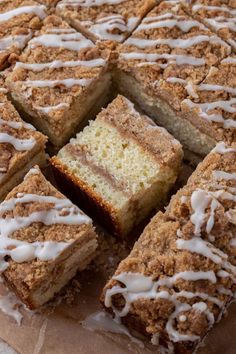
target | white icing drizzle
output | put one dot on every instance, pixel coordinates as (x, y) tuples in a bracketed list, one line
[(69, 82), (178, 21), (106, 27), (18, 41), (224, 175), (204, 109), (229, 60), (102, 321), (139, 286), (71, 41), (38, 10), (9, 305), (213, 8), (176, 43), (48, 109), (87, 3), (62, 211), (16, 125), (19, 144), (151, 59), (221, 148), (57, 64)]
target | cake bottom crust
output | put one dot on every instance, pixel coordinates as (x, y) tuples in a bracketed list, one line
[(191, 138)]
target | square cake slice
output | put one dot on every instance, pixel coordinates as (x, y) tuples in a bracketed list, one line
[(122, 164), (21, 146), (18, 21), (158, 64), (59, 79), (180, 276), (219, 15), (107, 19), (44, 240)]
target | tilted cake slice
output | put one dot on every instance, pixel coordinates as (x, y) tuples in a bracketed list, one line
[(60, 78), (122, 166), (166, 55), (19, 19), (110, 20), (181, 274), (44, 240), (21, 146)]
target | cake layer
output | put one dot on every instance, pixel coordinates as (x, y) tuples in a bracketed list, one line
[(58, 79), (158, 65), (111, 20), (219, 15), (180, 276), (123, 163), (18, 21), (21, 146), (44, 240)]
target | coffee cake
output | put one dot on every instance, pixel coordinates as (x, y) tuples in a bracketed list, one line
[(180, 276), (123, 165), (111, 20), (18, 21), (58, 80), (219, 15), (21, 146), (44, 240), (166, 55)]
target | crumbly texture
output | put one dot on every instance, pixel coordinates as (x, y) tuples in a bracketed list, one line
[(50, 3), (105, 20), (16, 29), (210, 104), (218, 15), (158, 255), (123, 164), (30, 277), (12, 160), (165, 56), (59, 78)]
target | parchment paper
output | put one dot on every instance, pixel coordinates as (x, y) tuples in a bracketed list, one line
[(58, 330)]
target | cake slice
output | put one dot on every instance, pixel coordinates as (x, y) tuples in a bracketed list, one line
[(44, 240), (219, 15), (18, 21), (105, 20), (21, 146), (180, 276), (158, 64), (59, 79), (122, 166)]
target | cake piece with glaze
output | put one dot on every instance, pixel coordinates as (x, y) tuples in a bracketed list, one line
[(59, 79), (18, 21), (44, 240), (111, 20), (122, 166), (157, 66), (180, 276), (212, 103), (219, 15), (21, 146)]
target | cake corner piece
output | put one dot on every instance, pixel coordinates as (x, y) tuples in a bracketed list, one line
[(122, 166), (45, 240)]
